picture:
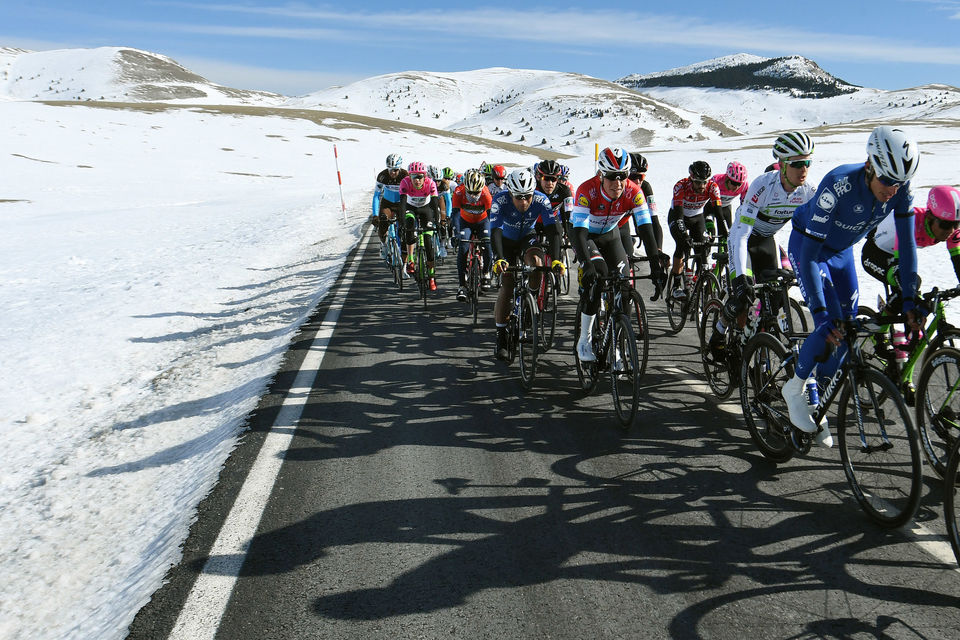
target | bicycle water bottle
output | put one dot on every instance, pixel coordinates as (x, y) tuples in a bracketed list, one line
[(782, 321), (900, 346), (710, 226), (813, 395)]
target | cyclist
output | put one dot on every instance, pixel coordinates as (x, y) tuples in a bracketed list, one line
[(769, 204), (421, 204), (638, 173), (496, 178), (386, 197), (936, 223), (548, 183), (732, 184), (471, 208), (601, 202), (693, 197), (850, 202), (513, 214)]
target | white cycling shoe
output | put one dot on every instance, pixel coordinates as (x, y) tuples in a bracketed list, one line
[(584, 348), (794, 395)]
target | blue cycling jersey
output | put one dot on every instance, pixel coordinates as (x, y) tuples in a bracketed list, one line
[(516, 225), (840, 215)]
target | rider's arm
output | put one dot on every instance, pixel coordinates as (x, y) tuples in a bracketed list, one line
[(907, 251), (377, 195)]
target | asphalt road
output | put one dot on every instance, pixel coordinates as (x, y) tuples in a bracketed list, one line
[(426, 495)]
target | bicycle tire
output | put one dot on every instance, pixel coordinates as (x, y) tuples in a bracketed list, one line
[(564, 280), (798, 317), (473, 284), (936, 407), (943, 338), (529, 343), (548, 314), (951, 505), (422, 273), (721, 379), (641, 332), (706, 282), (587, 372), (764, 410), (886, 474), (676, 308), (624, 375)]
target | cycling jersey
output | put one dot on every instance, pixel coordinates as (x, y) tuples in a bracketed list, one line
[(726, 196), (443, 190), (766, 209), (418, 197), (387, 188), (471, 211), (594, 211), (885, 236), (691, 201), (561, 201), (516, 224)]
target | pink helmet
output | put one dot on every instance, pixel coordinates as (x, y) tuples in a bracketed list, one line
[(737, 172), (417, 167), (944, 203)]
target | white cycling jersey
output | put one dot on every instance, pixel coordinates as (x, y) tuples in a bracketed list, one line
[(766, 209)]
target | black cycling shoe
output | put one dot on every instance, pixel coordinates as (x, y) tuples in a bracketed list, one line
[(503, 350), (718, 347)]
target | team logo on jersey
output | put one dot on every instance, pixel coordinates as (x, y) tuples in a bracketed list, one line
[(583, 201), (858, 208), (827, 201), (638, 199), (842, 185)]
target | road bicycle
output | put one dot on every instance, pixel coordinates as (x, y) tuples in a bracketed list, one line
[(421, 270), (615, 347), (474, 274), (394, 257), (877, 440), (684, 297), (523, 324)]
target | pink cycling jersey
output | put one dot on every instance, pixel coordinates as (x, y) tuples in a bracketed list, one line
[(418, 197), (886, 235), (727, 196)]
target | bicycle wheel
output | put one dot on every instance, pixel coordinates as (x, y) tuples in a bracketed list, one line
[(564, 281), (529, 342), (951, 500), (938, 407), (641, 330), (943, 338), (699, 301), (473, 284), (882, 463), (396, 262), (422, 276), (721, 379), (766, 368), (587, 372), (624, 370), (798, 317), (676, 307), (547, 313)]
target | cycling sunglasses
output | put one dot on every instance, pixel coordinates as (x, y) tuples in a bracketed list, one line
[(799, 164), (889, 182), (417, 176), (528, 196), (616, 175)]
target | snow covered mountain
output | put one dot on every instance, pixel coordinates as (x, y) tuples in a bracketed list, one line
[(794, 75), (115, 74)]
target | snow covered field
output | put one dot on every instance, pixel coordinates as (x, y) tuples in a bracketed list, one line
[(154, 264)]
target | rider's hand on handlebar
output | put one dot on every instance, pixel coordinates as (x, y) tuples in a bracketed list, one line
[(499, 266), (558, 267)]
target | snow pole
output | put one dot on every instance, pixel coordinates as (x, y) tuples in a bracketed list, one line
[(596, 157), (343, 204)]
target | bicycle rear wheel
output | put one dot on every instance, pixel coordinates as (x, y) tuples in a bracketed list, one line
[(529, 342), (548, 314), (563, 281), (883, 463), (938, 407), (473, 284), (676, 307), (422, 276), (624, 371), (761, 379), (951, 500), (721, 379), (641, 331)]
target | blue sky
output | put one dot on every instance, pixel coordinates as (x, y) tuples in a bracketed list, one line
[(298, 47)]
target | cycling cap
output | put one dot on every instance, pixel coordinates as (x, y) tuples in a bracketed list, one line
[(394, 161), (700, 171), (737, 172), (892, 154), (473, 181), (520, 182), (614, 160), (792, 143), (944, 203)]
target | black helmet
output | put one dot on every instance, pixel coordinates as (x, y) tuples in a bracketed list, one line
[(700, 171), (548, 168), (638, 164)]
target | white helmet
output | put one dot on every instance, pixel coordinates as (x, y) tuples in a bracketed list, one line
[(892, 154), (520, 182), (792, 143), (614, 160)]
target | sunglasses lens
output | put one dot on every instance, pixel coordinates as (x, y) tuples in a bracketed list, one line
[(889, 182), (615, 176), (800, 164)]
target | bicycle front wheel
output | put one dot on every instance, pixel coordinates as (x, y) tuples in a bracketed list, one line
[(641, 331), (473, 285), (720, 377), (881, 461), (676, 306), (624, 370), (587, 372), (548, 313), (765, 369), (529, 342), (938, 407), (951, 500)]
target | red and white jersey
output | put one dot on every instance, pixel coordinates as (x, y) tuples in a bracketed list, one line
[(692, 201), (727, 196), (593, 210)]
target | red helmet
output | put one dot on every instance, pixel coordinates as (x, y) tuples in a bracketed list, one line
[(499, 171)]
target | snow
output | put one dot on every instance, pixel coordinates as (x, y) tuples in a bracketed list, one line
[(734, 60), (157, 260)]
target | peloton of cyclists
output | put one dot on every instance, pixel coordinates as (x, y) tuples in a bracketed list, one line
[(849, 203), (513, 216), (769, 204), (599, 205), (693, 197)]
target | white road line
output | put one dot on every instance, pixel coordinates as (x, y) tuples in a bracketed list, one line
[(207, 600)]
